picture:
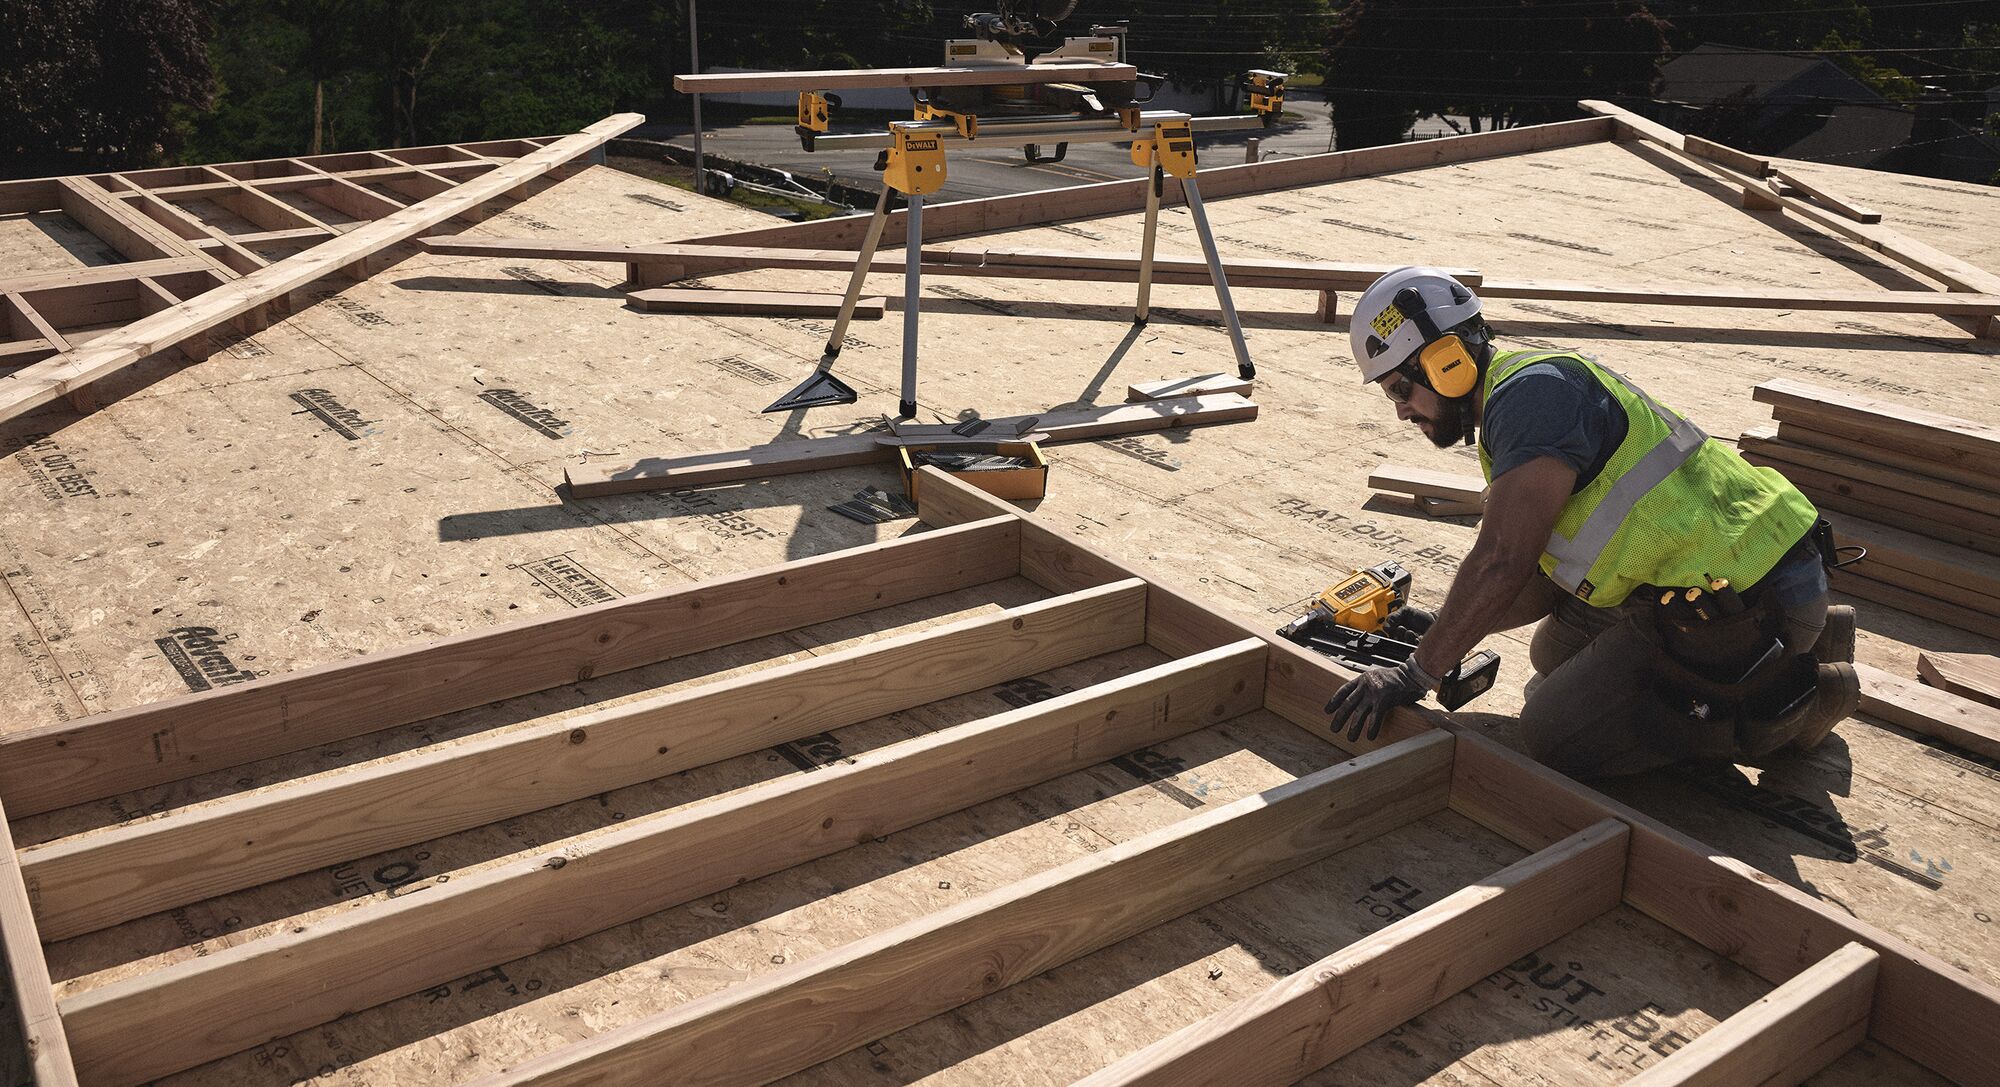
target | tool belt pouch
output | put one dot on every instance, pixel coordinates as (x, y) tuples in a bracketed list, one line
[(1734, 664)]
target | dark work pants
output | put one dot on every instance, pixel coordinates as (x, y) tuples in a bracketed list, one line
[(1593, 710)]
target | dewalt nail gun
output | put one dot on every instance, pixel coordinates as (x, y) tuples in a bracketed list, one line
[(1345, 623)]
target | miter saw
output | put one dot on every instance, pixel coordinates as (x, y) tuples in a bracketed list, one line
[(1347, 621)]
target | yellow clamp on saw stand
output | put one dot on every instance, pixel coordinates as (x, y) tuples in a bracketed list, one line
[(914, 163), (1267, 94), (1346, 623), (815, 113), (1171, 148)]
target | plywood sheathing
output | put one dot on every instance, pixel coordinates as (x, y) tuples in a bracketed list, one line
[(220, 502)]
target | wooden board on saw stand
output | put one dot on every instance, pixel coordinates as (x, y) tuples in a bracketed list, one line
[(850, 450), (752, 303), (1196, 385)]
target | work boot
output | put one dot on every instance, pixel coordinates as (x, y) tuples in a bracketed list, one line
[(1838, 695), (1836, 639)]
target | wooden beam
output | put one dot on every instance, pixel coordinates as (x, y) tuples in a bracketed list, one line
[(1197, 385), (874, 987), (42, 382), (1921, 601), (1727, 156), (1943, 520), (1925, 1008), (1327, 1010), (97, 880), (115, 224), (208, 1007), (101, 273), (33, 997), (57, 765), (1759, 444), (1296, 685), (836, 79), (28, 323), (1821, 196), (1928, 711), (1424, 482), (1788, 1035), (751, 303), (1793, 428), (610, 477), (1838, 407), (1974, 676)]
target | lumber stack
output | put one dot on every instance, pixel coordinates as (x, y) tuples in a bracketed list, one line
[(1918, 489)]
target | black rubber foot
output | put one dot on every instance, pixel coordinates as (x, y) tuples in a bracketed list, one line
[(1246, 371), (820, 390), (906, 409)]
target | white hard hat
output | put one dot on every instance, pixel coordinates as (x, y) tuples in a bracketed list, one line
[(1384, 336)]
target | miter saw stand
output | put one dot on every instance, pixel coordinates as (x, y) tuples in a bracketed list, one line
[(913, 163)]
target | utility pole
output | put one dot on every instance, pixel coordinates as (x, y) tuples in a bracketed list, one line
[(694, 65)]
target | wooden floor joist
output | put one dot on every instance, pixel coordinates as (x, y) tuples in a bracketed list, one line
[(1928, 711), (1590, 854), (46, 768), (609, 476), (96, 880), (1968, 675), (1792, 1033), (870, 989), (1334, 1006), (752, 303)]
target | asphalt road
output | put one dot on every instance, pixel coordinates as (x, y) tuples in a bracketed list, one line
[(972, 173)]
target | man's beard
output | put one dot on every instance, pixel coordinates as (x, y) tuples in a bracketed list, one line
[(1452, 424)]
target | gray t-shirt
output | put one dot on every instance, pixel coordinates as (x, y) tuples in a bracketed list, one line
[(1554, 408)]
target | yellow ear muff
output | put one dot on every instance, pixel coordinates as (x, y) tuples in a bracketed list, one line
[(1448, 367)]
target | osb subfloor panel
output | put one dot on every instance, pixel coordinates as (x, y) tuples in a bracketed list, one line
[(210, 496)]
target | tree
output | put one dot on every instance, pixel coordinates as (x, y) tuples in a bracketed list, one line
[(93, 84), (1214, 45), (1501, 64)]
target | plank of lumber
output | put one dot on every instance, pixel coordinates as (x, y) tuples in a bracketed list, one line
[(1865, 447), (697, 259), (1726, 155), (611, 477), (752, 303), (1296, 685), (32, 997), (115, 224), (1321, 1013), (1955, 274), (1925, 1008), (1838, 406), (1763, 441), (1424, 482), (873, 987), (1444, 507), (42, 382), (837, 79), (45, 768), (1941, 520), (1195, 385), (1945, 458), (1951, 591), (93, 881), (1786, 1036), (1968, 675), (1930, 711), (102, 273), (207, 1007), (1820, 195), (1918, 602)]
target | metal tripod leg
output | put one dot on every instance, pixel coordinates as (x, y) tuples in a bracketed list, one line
[(1156, 183), (1244, 367), (821, 388), (913, 254)]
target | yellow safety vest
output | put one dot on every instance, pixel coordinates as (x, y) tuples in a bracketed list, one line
[(1671, 508)]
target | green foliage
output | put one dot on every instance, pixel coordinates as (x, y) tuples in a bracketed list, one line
[(87, 84), (1882, 79), (1213, 44), (1525, 62)]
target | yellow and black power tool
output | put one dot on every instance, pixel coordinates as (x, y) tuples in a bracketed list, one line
[(1345, 623)]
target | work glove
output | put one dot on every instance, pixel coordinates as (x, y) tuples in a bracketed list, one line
[(1408, 623), (1365, 700)]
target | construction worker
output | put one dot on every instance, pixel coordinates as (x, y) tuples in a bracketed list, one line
[(1681, 592)]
